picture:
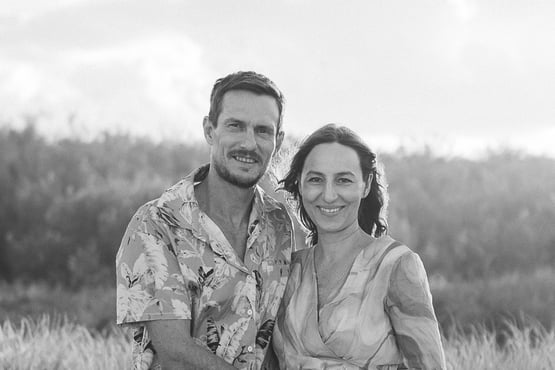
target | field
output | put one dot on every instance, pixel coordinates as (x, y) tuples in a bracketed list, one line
[(483, 228), (59, 344), (52, 328)]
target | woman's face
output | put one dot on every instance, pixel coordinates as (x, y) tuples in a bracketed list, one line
[(332, 186)]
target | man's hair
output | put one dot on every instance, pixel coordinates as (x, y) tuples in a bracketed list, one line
[(249, 81)]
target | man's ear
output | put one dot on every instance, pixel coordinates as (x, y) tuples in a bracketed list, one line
[(208, 130)]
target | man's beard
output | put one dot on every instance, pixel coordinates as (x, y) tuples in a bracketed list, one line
[(225, 174)]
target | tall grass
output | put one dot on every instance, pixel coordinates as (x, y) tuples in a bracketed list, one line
[(528, 348), (59, 344)]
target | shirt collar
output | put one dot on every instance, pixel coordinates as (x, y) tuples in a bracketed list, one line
[(179, 201)]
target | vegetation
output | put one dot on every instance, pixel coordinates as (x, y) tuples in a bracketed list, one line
[(58, 344), (484, 228)]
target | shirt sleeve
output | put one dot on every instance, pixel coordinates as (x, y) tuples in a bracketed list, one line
[(150, 284), (409, 305)]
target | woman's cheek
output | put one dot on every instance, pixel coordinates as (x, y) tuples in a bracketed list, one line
[(309, 193)]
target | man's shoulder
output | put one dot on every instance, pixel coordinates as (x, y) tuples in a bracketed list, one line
[(274, 208)]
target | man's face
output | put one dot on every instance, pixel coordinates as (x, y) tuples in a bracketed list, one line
[(244, 138)]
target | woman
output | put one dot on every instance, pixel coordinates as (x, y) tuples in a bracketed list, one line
[(356, 298)]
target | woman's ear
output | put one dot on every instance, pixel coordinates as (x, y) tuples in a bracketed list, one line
[(368, 185)]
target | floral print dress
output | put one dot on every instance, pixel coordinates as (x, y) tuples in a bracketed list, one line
[(381, 318)]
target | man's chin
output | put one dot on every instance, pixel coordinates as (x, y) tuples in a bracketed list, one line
[(243, 182), (238, 177)]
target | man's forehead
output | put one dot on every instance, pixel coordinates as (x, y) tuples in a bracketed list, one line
[(246, 105)]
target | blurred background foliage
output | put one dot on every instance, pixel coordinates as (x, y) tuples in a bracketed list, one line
[(485, 228)]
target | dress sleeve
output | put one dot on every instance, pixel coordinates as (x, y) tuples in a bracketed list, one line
[(150, 284), (409, 306)]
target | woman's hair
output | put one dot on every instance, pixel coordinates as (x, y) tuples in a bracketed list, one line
[(372, 213)]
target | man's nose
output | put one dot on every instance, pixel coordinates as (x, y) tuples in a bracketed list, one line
[(248, 140), (330, 194)]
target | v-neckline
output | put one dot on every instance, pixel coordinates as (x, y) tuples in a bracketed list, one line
[(339, 289)]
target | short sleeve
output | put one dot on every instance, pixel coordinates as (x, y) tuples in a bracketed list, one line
[(150, 285), (409, 305)]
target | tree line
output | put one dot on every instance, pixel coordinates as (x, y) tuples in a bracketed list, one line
[(64, 205)]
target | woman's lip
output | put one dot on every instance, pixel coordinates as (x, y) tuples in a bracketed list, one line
[(329, 210)]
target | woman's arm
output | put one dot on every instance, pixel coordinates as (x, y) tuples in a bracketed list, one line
[(409, 306)]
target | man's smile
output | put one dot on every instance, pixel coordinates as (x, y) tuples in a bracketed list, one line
[(243, 159)]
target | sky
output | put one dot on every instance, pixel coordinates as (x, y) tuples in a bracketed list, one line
[(458, 76)]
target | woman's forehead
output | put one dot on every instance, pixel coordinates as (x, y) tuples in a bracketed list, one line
[(332, 158)]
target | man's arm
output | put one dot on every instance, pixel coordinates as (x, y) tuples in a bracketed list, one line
[(176, 349)]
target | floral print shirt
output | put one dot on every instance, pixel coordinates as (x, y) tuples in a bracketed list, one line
[(175, 263)]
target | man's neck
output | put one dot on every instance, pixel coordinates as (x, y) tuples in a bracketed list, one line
[(223, 201)]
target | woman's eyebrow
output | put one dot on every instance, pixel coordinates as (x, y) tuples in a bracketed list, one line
[(344, 173)]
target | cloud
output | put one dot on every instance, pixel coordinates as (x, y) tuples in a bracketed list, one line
[(397, 68), (156, 86)]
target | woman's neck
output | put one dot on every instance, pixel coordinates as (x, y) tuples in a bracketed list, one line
[(336, 245)]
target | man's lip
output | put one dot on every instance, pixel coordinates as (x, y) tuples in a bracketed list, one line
[(251, 157)]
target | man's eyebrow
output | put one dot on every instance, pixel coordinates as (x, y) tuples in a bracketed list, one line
[(264, 125), (232, 119)]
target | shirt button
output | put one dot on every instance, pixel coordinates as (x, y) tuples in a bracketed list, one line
[(249, 348), (249, 312)]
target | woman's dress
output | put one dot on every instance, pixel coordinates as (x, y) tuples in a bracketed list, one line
[(381, 318)]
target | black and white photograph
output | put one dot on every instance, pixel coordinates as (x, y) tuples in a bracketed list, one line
[(277, 185)]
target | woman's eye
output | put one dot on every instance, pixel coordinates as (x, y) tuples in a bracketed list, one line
[(314, 179), (344, 181)]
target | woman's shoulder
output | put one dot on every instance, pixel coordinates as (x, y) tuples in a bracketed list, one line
[(409, 264), (385, 249)]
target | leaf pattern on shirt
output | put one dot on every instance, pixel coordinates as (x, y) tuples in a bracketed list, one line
[(230, 340), (154, 259), (265, 333), (212, 335), (132, 302), (174, 262), (180, 308)]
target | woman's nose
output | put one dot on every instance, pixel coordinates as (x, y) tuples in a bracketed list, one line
[(330, 194)]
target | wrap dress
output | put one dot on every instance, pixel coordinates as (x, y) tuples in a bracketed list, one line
[(381, 318)]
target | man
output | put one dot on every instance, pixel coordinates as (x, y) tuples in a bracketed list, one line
[(202, 269)]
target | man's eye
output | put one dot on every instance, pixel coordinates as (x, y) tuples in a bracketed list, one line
[(265, 131)]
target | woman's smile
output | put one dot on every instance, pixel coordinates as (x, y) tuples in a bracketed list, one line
[(332, 187), (329, 210)]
